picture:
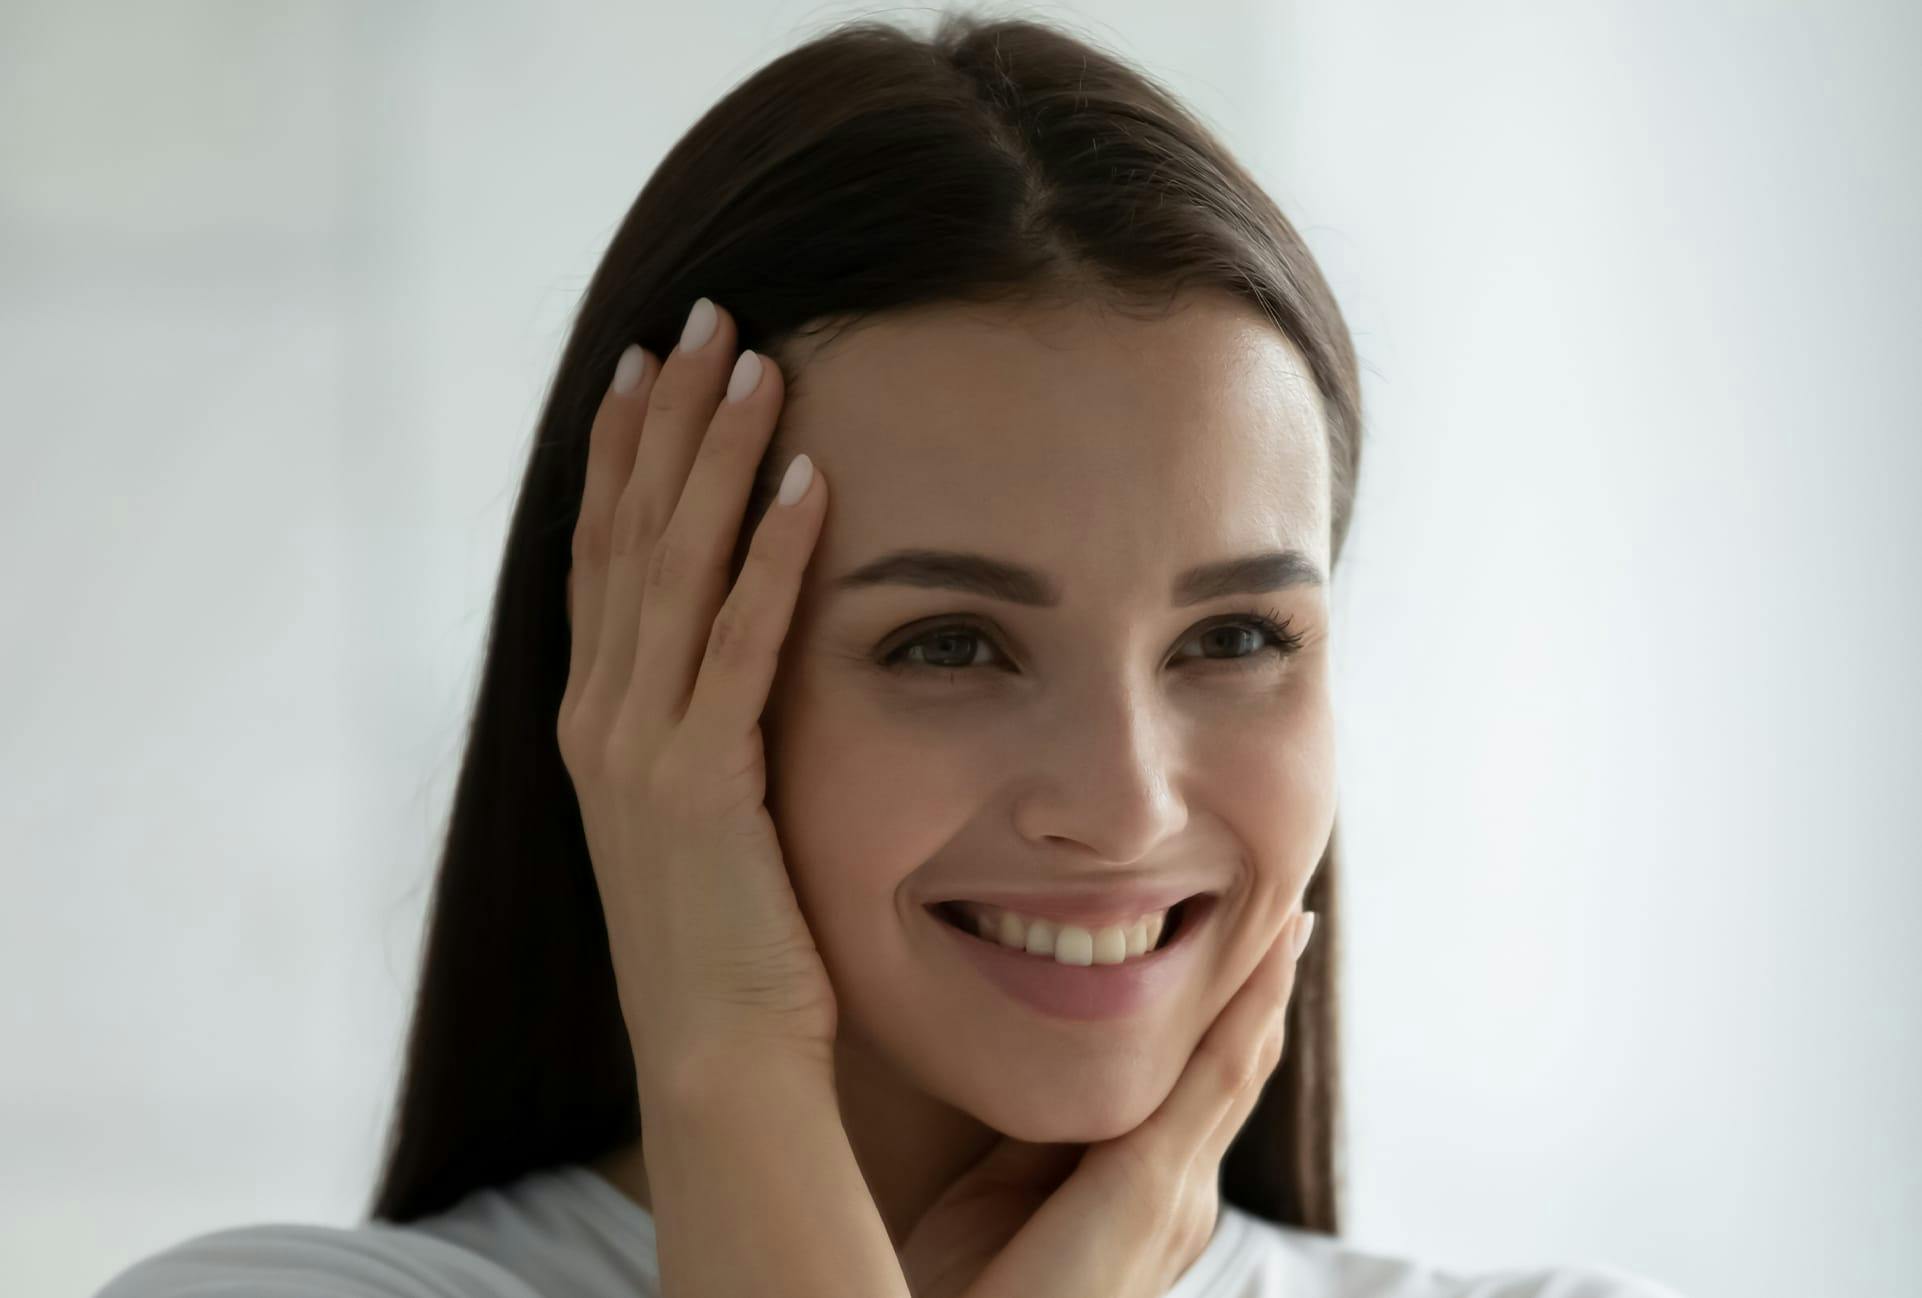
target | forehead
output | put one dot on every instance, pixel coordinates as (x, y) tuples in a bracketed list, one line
[(1072, 437)]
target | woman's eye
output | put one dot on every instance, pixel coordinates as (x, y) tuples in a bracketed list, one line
[(952, 648), (1264, 637), (940, 647)]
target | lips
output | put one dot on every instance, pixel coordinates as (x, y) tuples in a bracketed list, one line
[(1100, 991)]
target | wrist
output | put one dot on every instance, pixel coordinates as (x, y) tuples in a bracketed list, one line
[(723, 1076)]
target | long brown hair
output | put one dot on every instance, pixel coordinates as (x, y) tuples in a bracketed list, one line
[(868, 170)]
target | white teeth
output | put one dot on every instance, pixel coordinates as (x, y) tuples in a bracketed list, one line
[(1012, 932), (1068, 944), (1042, 940)]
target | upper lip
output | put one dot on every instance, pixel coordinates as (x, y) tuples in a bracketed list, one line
[(1089, 906)]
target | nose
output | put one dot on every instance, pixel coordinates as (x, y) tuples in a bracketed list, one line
[(1105, 778)]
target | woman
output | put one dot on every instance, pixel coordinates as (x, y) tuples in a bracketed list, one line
[(903, 886)]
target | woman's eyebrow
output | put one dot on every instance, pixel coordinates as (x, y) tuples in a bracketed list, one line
[(977, 574)]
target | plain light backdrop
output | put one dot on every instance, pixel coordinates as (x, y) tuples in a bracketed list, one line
[(1627, 634)]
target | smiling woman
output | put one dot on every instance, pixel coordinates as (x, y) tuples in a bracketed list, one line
[(1047, 731), (1062, 650)]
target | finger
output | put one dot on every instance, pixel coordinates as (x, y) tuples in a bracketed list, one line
[(684, 596), (744, 649), (611, 443), (1225, 1064), (678, 408), (1214, 1146)]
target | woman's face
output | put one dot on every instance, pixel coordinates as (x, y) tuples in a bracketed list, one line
[(1113, 735)]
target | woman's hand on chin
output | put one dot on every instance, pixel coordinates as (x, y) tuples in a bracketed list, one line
[(1121, 1218)]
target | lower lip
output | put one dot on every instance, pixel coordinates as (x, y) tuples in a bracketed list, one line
[(1095, 991)]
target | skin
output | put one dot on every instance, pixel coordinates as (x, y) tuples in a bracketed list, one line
[(1112, 734)]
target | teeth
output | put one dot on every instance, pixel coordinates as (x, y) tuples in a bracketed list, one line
[(1068, 944)]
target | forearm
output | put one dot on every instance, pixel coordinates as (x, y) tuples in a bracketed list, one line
[(756, 1190)]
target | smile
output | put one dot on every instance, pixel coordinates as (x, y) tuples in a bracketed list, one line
[(1068, 944), (1067, 989)]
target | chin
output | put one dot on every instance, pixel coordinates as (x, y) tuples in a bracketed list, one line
[(1071, 1114)]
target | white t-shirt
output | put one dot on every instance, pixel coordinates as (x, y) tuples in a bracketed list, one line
[(568, 1233)]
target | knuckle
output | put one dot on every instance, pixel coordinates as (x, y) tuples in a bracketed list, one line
[(666, 564), (590, 541), (720, 441), (1234, 1069), (633, 524), (668, 397), (581, 756), (731, 640)]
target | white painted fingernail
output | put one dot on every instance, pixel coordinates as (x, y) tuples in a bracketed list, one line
[(628, 372), (799, 474), (1303, 929), (700, 325), (746, 377)]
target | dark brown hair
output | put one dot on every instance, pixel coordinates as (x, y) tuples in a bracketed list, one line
[(869, 170)]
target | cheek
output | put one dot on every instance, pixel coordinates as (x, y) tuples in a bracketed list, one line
[(859, 807), (1285, 761), (1268, 777)]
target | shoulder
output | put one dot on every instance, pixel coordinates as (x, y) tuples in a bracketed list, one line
[(1270, 1260), (307, 1261), (554, 1231)]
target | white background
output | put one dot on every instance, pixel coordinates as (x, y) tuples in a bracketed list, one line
[(1627, 633)]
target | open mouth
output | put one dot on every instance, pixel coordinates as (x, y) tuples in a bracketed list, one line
[(1074, 984), (1180, 915)]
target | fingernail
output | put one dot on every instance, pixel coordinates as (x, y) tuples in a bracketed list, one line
[(746, 377), (700, 325), (628, 371), (799, 474), (1304, 928)]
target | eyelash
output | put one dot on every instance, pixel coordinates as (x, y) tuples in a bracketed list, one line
[(1272, 623)]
